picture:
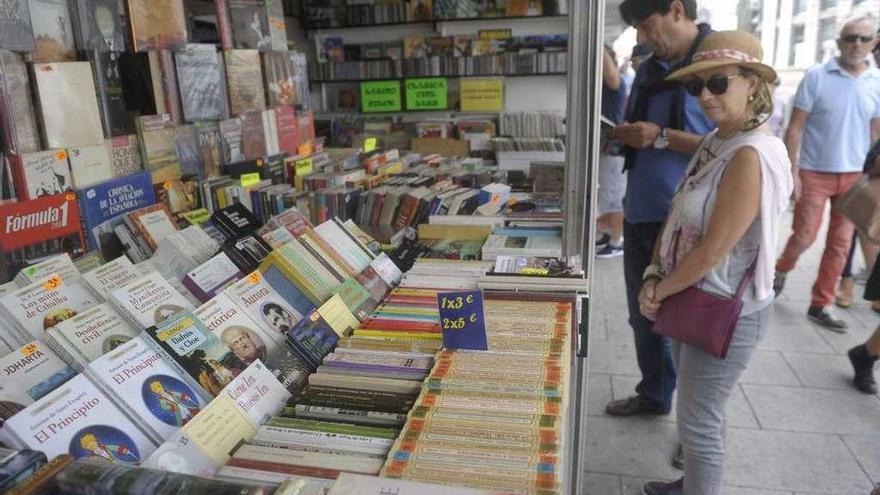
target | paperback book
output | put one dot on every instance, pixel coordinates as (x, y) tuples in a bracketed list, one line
[(105, 205), (211, 277), (125, 155), (142, 384), (89, 165), (210, 140), (29, 373), (196, 353), (156, 24), (279, 70), (66, 98), (78, 419), (202, 83), (250, 341), (156, 141), (149, 301), (39, 174), (53, 32), (98, 26), (16, 32), (89, 335), (112, 275), (249, 20), (151, 224), (36, 229), (60, 265), (43, 304), (245, 80), (19, 122)]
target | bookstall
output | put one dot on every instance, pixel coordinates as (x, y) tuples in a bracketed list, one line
[(199, 294)]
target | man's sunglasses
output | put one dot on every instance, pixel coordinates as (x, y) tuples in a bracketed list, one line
[(717, 85), (852, 38)]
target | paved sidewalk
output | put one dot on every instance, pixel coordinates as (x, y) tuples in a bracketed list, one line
[(796, 425)]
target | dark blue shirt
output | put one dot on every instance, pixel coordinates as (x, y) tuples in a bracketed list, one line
[(613, 102), (654, 174)]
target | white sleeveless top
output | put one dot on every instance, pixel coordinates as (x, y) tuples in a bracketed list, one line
[(694, 202)]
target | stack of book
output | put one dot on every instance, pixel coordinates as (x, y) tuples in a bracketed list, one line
[(513, 395)]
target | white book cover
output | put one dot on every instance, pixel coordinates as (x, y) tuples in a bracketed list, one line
[(66, 94), (46, 173), (60, 264), (387, 270), (149, 300), (140, 380), (212, 276), (112, 275), (264, 304), (157, 225), (45, 303), (251, 341), (336, 236), (90, 165), (258, 393), (92, 333), (78, 419), (28, 374)]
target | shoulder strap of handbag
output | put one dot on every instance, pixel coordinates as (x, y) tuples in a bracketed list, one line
[(749, 275)]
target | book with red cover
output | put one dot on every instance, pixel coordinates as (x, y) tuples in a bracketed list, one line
[(288, 129), (37, 229), (306, 127), (253, 136)]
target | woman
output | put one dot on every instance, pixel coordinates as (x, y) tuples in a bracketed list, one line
[(722, 226)]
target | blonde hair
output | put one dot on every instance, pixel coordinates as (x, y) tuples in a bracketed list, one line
[(760, 103)]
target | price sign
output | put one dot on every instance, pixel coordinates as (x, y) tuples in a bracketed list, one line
[(303, 167), (52, 283), (304, 149), (482, 95), (254, 278), (369, 144), (462, 320), (427, 93), (250, 179), (380, 96)]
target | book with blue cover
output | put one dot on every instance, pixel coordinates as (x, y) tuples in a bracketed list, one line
[(111, 200)]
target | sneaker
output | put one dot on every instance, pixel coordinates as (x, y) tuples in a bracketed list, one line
[(863, 365), (609, 251), (664, 488), (678, 458), (845, 293), (602, 241), (634, 406), (825, 317), (778, 283)]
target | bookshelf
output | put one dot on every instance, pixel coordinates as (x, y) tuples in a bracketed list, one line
[(349, 81), (437, 20)]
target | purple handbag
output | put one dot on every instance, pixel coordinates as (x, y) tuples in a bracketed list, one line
[(701, 319)]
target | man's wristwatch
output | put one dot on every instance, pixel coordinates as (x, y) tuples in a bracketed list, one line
[(654, 271), (662, 141)]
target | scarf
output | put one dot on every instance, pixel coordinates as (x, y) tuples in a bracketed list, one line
[(652, 83)]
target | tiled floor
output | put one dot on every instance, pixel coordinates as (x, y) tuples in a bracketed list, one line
[(796, 426)]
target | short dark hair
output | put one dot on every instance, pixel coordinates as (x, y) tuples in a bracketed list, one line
[(636, 11)]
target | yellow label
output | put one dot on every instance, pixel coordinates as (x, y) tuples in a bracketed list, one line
[(495, 34), (53, 283), (482, 95), (369, 144), (254, 278), (250, 179), (304, 149), (535, 271), (259, 162), (70, 196), (29, 349), (167, 185), (303, 167), (61, 155)]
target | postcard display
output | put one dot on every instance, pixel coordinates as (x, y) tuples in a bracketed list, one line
[(213, 363)]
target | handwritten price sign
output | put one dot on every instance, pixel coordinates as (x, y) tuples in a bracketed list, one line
[(462, 320)]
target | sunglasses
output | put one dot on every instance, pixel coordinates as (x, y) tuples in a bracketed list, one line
[(717, 85), (852, 38)]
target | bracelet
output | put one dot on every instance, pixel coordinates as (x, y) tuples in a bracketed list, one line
[(654, 271)]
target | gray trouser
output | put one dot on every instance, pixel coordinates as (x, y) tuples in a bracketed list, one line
[(704, 385)]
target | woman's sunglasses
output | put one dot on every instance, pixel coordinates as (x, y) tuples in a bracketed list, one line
[(717, 85)]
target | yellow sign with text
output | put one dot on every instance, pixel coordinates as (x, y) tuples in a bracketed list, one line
[(482, 95)]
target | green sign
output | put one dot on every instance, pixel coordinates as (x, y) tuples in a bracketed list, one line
[(426, 94), (380, 96)]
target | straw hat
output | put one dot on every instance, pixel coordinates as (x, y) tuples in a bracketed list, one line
[(723, 48)]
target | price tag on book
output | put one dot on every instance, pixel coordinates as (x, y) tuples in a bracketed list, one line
[(369, 144), (462, 320), (303, 167), (250, 179), (52, 283), (304, 149)]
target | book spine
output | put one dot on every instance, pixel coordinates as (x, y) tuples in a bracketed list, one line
[(223, 26)]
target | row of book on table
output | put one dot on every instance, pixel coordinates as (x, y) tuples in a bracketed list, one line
[(291, 361)]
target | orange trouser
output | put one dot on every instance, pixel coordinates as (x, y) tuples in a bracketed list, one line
[(816, 189)]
